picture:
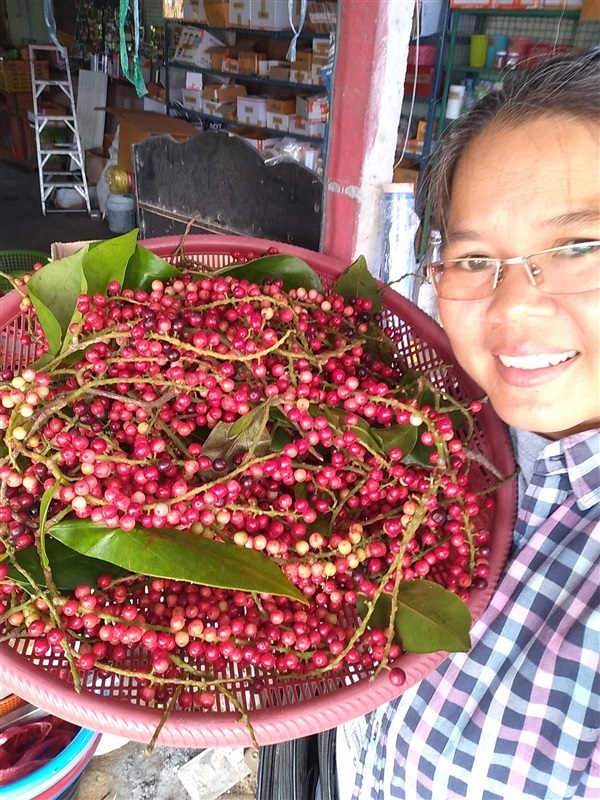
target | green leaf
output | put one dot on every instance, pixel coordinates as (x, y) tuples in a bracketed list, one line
[(144, 267), (221, 444), (357, 281), (69, 569), (107, 262), (430, 618), (382, 612), (291, 270), (258, 413), (402, 436), (44, 506), (54, 290), (178, 555)]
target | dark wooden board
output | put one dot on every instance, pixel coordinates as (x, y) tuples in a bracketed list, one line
[(224, 182)]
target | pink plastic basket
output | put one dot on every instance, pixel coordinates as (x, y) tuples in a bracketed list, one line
[(285, 709)]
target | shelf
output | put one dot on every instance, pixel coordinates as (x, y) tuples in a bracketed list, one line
[(195, 116), (525, 13), (276, 34), (305, 87), (503, 73)]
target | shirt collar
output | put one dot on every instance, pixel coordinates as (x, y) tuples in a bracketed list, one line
[(578, 455)]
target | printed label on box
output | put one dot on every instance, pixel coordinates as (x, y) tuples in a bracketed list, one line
[(299, 76), (193, 11), (320, 47), (274, 14), (193, 80), (252, 110), (210, 107), (312, 108), (277, 105), (240, 13), (193, 46), (279, 122), (192, 98), (305, 126)]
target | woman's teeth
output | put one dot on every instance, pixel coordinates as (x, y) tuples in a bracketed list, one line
[(538, 361)]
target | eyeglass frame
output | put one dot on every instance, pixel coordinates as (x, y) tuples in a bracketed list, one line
[(532, 271)]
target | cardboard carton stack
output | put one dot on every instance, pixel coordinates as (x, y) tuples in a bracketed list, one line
[(311, 115)]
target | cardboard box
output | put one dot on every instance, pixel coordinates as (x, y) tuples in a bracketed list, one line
[(226, 93), (192, 99), (273, 14), (210, 107), (277, 105), (249, 61), (559, 5), (321, 16), (227, 111), (320, 47), (95, 161), (154, 105), (193, 47), (471, 3), (265, 67), (134, 126), (252, 110), (240, 13), (316, 75), (193, 11), (406, 175), (423, 78), (300, 76), (217, 54), (217, 13), (517, 5), (306, 127), (230, 64), (304, 60), (312, 107), (278, 122), (279, 73), (590, 10), (261, 141), (194, 80)]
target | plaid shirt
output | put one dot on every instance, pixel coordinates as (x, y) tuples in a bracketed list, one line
[(518, 716)]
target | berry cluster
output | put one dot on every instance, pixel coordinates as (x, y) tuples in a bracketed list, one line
[(250, 415)]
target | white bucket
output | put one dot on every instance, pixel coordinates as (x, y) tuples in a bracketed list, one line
[(120, 212)]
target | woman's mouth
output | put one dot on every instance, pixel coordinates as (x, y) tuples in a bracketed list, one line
[(538, 361)]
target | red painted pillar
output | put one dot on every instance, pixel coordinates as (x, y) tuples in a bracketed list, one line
[(371, 54)]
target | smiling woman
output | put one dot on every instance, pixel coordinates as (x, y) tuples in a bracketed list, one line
[(517, 199), (533, 348)]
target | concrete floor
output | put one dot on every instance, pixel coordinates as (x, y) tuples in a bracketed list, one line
[(125, 773), (129, 774)]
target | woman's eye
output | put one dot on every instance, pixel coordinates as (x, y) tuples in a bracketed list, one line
[(474, 263), (579, 248)]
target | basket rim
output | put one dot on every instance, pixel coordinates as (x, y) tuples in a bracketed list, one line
[(320, 713)]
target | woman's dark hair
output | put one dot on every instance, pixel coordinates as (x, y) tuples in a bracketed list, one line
[(565, 85)]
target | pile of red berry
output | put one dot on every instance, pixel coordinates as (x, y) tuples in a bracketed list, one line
[(254, 417)]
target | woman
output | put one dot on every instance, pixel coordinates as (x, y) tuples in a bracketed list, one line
[(518, 716)]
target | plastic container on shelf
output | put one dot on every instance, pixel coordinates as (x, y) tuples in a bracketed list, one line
[(120, 212), (280, 708)]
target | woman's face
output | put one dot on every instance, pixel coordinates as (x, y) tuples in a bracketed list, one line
[(517, 191)]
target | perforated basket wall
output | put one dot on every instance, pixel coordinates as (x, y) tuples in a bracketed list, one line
[(285, 708)]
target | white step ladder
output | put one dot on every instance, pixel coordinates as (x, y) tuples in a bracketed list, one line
[(74, 177)]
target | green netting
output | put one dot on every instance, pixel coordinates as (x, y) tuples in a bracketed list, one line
[(17, 262)]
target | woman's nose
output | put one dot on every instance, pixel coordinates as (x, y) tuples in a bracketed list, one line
[(516, 296)]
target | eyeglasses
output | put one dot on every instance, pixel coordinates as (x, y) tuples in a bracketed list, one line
[(569, 269)]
